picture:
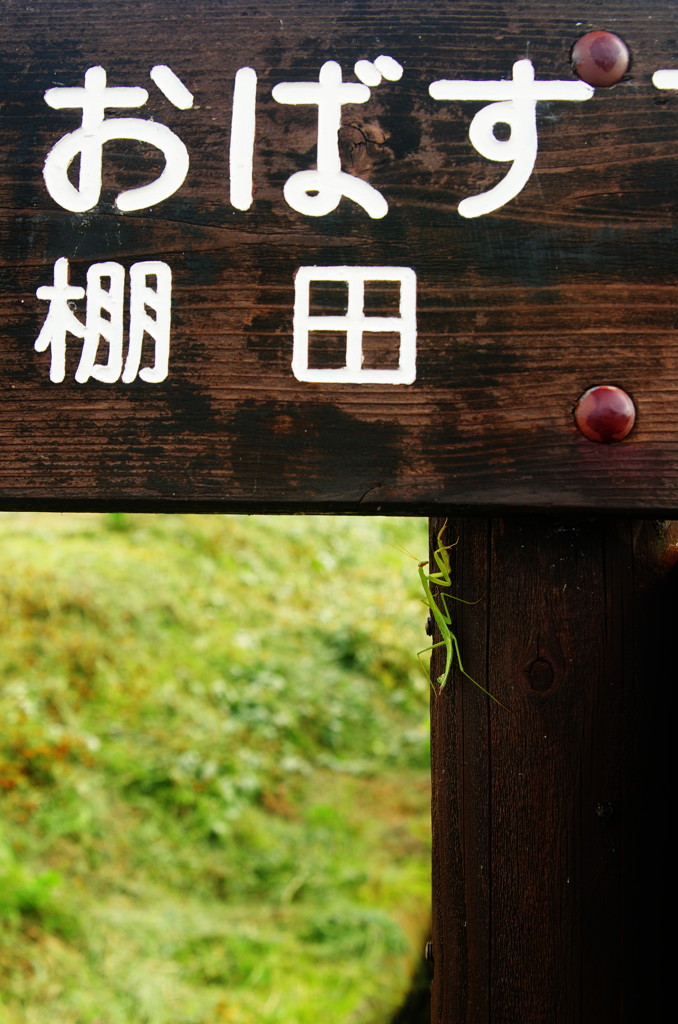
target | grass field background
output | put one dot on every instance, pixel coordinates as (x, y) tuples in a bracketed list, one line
[(213, 769)]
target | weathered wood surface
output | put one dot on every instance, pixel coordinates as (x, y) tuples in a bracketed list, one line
[(551, 881), (569, 285)]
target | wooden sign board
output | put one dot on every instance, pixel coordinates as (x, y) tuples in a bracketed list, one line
[(360, 256)]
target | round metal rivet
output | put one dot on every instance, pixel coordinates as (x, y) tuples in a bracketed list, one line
[(605, 414), (600, 58)]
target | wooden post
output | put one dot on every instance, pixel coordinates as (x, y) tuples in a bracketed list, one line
[(548, 819)]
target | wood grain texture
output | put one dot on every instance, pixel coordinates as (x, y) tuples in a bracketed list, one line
[(550, 867), (569, 285)]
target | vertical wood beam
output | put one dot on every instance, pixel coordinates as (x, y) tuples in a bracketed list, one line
[(549, 874)]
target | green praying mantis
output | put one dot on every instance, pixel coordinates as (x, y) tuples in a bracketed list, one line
[(442, 578)]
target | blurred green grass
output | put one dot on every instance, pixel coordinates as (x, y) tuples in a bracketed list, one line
[(213, 769)]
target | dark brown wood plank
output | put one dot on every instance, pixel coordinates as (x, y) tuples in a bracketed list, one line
[(570, 284), (550, 853)]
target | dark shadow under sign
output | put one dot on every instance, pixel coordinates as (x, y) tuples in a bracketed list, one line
[(352, 257)]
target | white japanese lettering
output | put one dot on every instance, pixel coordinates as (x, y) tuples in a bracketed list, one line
[(88, 141), (104, 321), (159, 301), (515, 104), (666, 78), (316, 193), (242, 138), (355, 324)]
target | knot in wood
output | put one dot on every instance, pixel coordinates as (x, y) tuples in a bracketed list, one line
[(540, 675), (362, 147)]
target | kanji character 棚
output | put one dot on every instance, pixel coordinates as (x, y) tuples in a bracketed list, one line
[(150, 289)]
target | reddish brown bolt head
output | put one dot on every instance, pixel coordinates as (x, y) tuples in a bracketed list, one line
[(600, 58), (605, 414)]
